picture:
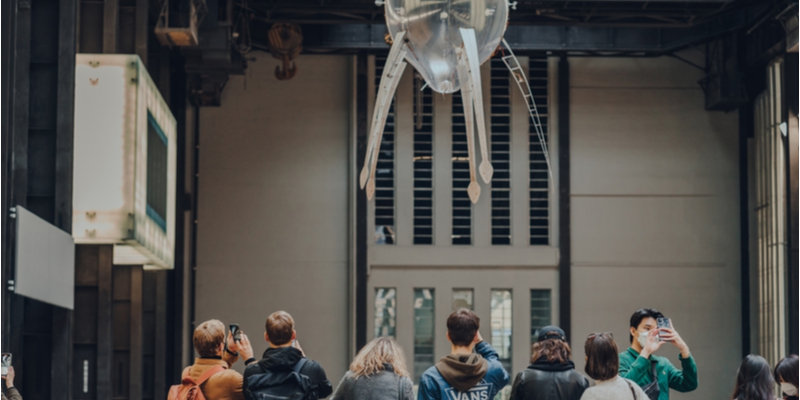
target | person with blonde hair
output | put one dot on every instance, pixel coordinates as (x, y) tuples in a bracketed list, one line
[(377, 373)]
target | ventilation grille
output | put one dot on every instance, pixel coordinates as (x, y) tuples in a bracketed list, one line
[(384, 173), (539, 176), (462, 206), (423, 163), (500, 146)]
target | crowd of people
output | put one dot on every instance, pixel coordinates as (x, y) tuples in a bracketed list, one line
[(472, 370)]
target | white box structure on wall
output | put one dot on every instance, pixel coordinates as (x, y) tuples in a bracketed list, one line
[(125, 158)]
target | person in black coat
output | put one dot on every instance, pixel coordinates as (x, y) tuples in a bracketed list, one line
[(283, 354), (551, 374)]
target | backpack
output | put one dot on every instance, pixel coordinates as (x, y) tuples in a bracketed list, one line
[(189, 389), (283, 385)]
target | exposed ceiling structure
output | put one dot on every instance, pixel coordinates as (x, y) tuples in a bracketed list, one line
[(672, 13), (233, 28)]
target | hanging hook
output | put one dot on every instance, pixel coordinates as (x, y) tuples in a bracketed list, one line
[(288, 71)]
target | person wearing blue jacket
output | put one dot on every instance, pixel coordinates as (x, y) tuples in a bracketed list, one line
[(464, 374)]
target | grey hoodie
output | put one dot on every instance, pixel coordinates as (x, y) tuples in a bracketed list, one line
[(385, 385)]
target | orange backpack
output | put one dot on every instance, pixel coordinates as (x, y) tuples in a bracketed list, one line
[(189, 389)]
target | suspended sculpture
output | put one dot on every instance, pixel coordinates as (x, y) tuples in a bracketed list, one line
[(446, 41)]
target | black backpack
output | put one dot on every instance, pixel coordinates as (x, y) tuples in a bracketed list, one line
[(281, 385)]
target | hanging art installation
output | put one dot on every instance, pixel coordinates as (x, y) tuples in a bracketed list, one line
[(446, 42)]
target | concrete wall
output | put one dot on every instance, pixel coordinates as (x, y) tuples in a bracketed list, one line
[(273, 216), (655, 211)]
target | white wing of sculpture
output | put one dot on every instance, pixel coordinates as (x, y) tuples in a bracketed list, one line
[(472, 61), (473, 190), (392, 73)]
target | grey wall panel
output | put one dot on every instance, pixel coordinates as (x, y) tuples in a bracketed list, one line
[(45, 262), (655, 213), (661, 72), (273, 205), (651, 141)]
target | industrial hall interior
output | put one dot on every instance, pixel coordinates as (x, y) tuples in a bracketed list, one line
[(451, 198)]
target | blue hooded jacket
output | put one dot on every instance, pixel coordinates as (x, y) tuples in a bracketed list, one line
[(433, 386)]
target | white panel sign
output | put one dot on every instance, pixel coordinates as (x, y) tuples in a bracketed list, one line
[(45, 261)]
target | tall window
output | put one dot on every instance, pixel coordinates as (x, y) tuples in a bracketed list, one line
[(384, 173), (385, 312), (540, 312), (462, 206), (539, 178), (423, 331), (501, 322), (423, 163), (500, 154)]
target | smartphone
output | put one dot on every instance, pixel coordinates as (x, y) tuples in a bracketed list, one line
[(236, 332), (663, 323), (6, 362)]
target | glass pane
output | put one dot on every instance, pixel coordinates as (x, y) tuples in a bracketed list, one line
[(540, 311), (385, 312), (423, 331), (462, 298), (501, 325), (156, 173)]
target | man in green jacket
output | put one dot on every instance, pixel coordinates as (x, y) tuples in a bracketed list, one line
[(637, 362)]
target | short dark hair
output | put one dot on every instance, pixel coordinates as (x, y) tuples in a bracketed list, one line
[(462, 325), (602, 357), (280, 326), (555, 351), (754, 380), (787, 370), (639, 315)]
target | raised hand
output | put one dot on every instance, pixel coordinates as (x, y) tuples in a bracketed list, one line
[(671, 335), (245, 348), (653, 343)]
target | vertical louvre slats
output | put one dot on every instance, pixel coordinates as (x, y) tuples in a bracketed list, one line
[(500, 153), (384, 173), (423, 164), (539, 176), (462, 206), (771, 217)]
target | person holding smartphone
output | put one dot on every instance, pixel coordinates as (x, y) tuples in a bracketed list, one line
[(10, 392), (217, 353), (656, 375)]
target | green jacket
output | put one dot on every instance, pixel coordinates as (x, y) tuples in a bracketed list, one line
[(638, 369)]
